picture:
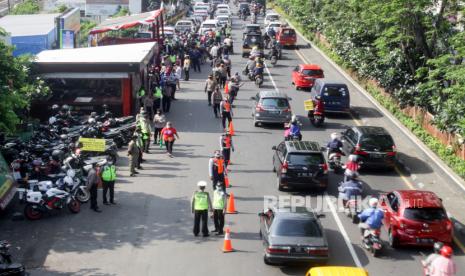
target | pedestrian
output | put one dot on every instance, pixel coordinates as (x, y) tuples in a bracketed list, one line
[(144, 125), (92, 185), (226, 145), (217, 97), (187, 67), (159, 122), (168, 133), (166, 98), (210, 86), (133, 154), (108, 181), (223, 75), (140, 146), (178, 74), (140, 96), (200, 206), (196, 56), (219, 209), (226, 112), (157, 95), (148, 105), (217, 170)]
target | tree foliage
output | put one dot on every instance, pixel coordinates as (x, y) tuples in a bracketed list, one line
[(415, 49), (17, 88), (26, 7)]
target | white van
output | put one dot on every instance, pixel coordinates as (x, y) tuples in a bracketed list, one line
[(207, 25)]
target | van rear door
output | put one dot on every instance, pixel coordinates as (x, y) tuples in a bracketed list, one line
[(336, 97)]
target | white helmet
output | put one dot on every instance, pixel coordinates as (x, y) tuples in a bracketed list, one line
[(373, 202), (68, 180), (71, 173), (52, 120), (294, 118), (202, 184), (91, 121), (353, 157), (334, 136)]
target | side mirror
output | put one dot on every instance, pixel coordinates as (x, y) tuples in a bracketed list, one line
[(273, 147), (261, 214), (320, 215), (253, 98)]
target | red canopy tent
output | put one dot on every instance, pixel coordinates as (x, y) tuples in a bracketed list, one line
[(125, 22)]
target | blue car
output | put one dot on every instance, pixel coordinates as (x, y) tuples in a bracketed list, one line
[(335, 95)]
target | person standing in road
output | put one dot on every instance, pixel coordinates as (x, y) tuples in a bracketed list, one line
[(167, 93), (200, 205), (133, 153), (223, 75), (159, 122), (187, 67), (148, 105), (196, 56), (168, 133), (178, 74), (217, 97), (140, 96), (226, 145), (219, 209), (226, 112), (144, 125), (92, 183), (108, 181), (140, 146), (217, 170), (210, 86)]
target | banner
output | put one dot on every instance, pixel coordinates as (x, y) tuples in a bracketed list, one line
[(92, 144)]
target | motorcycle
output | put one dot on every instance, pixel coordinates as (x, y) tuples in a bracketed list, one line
[(274, 59), (334, 161), (7, 267), (292, 137), (372, 241), (316, 118), (39, 204), (74, 185)]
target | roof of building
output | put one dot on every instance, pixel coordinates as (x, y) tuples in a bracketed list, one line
[(125, 22), (28, 24), (123, 53)]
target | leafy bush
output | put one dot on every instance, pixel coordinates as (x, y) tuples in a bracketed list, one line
[(26, 7)]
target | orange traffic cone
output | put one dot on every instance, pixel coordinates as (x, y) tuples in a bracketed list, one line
[(226, 88), (227, 246), (231, 128), (226, 182), (231, 206)]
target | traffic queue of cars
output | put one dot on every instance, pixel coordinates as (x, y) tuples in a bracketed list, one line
[(412, 217)]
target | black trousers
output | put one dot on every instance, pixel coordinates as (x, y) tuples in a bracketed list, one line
[(166, 103), (217, 179), (196, 66), (169, 146), (156, 104), (108, 186), (218, 220), (186, 74), (226, 115), (209, 96), (216, 109), (157, 135), (173, 89), (223, 81), (200, 215), (226, 156), (93, 197)]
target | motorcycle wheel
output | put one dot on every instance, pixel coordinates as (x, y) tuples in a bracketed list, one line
[(374, 252), (83, 196), (31, 213), (74, 206)]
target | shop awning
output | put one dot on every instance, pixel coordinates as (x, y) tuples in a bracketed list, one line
[(125, 22)]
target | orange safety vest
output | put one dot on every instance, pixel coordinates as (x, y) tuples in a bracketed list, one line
[(219, 165), (227, 106), (227, 142)]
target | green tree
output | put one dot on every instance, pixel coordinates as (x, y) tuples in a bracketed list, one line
[(26, 7)]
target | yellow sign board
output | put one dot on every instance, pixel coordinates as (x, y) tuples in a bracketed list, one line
[(92, 144), (308, 105)]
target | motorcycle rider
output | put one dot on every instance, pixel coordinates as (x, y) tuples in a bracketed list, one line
[(351, 167), (335, 145), (250, 66), (229, 43), (294, 129), (371, 218), (234, 84), (258, 71), (318, 106), (436, 253), (443, 265), (350, 189)]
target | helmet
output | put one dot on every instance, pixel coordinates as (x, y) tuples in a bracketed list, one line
[(334, 136), (55, 107), (57, 154), (93, 114), (105, 107), (294, 118), (353, 157), (373, 202), (318, 97), (217, 154), (437, 247), (64, 137), (202, 184), (45, 156), (91, 121), (52, 120), (446, 251), (65, 107)]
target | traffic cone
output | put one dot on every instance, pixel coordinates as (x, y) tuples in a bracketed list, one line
[(226, 88), (226, 182), (231, 207), (231, 128), (227, 246)]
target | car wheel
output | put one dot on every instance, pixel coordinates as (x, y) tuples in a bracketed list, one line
[(278, 184), (265, 260), (393, 241), (256, 124)]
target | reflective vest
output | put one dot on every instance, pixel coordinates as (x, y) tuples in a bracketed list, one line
[(218, 200), (173, 58), (141, 92), (227, 106), (109, 173), (227, 142), (201, 201), (139, 142), (144, 129), (218, 163), (157, 93)]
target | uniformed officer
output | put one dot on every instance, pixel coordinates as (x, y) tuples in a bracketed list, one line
[(219, 209), (108, 181), (145, 130), (133, 153), (200, 206), (217, 170), (226, 145)]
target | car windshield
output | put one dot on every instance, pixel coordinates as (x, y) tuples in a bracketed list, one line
[(305, 159), (311, 72), (377, 142), (244, 6), (288, 32), (184, 23), (273, 17), (252, 39), (335, 91), (275, 102), (252, 28), (208, 26), (425, 214), (297, 228)]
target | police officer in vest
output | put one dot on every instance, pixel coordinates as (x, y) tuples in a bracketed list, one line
[(226, 145), (108, 181), (226, 112), (133, 154), (145, 129), (219, 209), (201, 204), (217, 170)]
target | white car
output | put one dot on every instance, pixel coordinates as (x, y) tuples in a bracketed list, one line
[(223, 19), (223, 12), (222, 6), (275, 25), (209, 25), (201, 15), (269, 17), (184, 26)]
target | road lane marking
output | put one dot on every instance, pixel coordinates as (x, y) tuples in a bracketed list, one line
[(406, 181), (271, 78), (343, 232)]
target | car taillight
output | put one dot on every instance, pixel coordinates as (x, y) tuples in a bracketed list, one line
[(259, 108), (278, 249), (358, 150), (393, 152), (324, 166), (449, 225), (287, 110), (317, 251), (284, 167)]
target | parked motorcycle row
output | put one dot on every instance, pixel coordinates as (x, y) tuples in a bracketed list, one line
[(51, 167)]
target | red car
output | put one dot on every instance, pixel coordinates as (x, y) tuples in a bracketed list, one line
[(415, 218), (304, 75), (286, 37)]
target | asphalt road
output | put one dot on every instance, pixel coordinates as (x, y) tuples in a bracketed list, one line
[(149, 232)]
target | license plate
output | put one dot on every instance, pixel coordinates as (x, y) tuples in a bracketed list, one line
[(299, 250), (376, 155), (317, 117), (304, 174), (274, 112), (425, 241)]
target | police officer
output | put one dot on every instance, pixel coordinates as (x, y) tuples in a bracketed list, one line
[(145, 130), (108, 181), (226, 112), (133, 153), (217, 170), (219, 209), (92, 183), (200, 206), (226, 145)]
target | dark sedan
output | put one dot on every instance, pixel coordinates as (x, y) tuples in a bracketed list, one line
[(293, 236)]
